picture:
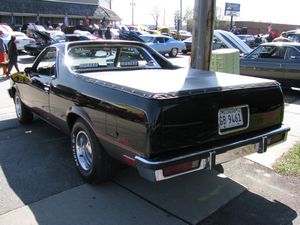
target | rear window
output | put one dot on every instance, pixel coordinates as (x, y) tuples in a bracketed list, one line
[(100, 57)]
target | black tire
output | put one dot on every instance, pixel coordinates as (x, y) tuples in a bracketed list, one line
[(173, 52), (184, 52), (24, 115), (92, 162)]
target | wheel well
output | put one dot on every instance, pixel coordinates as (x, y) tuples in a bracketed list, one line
[(72, 117), (12, 92)]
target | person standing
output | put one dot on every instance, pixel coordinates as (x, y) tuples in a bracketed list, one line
[(12, 55), (2, 53), (107, 33)]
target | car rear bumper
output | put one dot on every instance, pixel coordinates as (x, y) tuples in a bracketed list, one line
[(208, 158)]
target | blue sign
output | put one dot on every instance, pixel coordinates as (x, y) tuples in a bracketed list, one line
[(232, 9)]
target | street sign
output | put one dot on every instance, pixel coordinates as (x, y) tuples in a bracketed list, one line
[(232, 9)]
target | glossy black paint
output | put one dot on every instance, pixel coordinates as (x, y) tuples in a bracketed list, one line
[(178, 114)]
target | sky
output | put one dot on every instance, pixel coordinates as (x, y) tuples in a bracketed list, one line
[(270, 11)]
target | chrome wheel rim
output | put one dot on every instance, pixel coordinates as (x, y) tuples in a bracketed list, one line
[(174, 51), (18, 106), (84, 150)]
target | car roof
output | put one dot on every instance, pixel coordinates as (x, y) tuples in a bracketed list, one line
[(281, 44), (5, 28), (297, 31), (154, 35)]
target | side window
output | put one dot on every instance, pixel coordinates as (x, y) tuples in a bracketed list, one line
[(269, 52), (278, 53), (256, 53), (160, 40), (46, 64), (292, 54)]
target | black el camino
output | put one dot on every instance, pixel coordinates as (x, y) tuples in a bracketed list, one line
[(275, 60), (122, 102)]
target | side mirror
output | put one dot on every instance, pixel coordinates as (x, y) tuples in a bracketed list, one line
[(28, 70)]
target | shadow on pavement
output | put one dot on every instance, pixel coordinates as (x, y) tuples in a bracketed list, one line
[(249, 209), (291, 95), (37, 170), (36, 162)]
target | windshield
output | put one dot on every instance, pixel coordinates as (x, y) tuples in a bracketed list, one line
[(87, 58)]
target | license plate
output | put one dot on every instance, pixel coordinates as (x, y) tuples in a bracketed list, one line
[(233, 119)]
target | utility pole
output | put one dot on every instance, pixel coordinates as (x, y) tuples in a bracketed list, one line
[(180, 16), (179, 19), (110, 4), (132, 11), (203, 28), (164, 16)]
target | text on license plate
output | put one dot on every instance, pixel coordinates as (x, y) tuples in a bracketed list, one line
[(230, 117)]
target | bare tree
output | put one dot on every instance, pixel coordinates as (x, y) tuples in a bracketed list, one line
[(176, 18), (220, 22), (156, 14), (187, 16)]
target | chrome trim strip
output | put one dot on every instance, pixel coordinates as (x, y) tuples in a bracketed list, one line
[(142, 162)]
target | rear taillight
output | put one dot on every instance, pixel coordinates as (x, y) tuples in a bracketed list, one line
[(276, 138), (180, 168)]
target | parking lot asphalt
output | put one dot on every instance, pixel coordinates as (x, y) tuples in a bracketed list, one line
[(40, 185)]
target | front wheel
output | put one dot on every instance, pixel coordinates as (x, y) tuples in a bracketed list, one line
[(173, 52), (24, 115), (92, 162)]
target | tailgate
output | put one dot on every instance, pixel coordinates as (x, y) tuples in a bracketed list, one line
[(222, 117)]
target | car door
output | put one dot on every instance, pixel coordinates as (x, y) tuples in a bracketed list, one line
[(36, 93), (160, 45), (265, 61), (170, 43), (292, 65)]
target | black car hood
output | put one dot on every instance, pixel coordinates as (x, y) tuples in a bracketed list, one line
[(43, 35)]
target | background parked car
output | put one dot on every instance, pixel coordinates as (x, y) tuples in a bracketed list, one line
[(22, 40), (86, 33), (76, 37), (6, 31), (55, 34), (275, 60), (248, 39), (42, 40), (114, 33), (222, 39), (164, 44), (5, 28), (183, 34), (294, 35)]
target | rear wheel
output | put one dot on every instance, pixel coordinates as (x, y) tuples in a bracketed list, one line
[(92, 162), (173, 52), (24, 115)]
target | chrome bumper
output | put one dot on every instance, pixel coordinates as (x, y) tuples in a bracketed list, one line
[(153, 170)]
